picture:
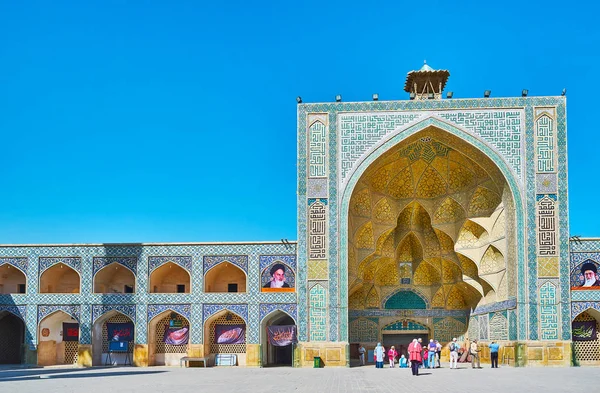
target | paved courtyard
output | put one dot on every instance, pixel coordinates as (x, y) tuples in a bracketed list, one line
[(359, 379)]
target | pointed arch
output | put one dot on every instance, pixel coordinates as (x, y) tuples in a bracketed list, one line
[(170, 277), (60, 278), (220, 277), (119, 280)]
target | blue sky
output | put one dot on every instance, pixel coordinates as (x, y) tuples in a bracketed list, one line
[(176, 121)]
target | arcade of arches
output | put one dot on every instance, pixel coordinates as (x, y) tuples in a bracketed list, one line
[(431, 233)]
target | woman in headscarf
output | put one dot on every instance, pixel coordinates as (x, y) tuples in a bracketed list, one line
[(414, 355), (379, 353)]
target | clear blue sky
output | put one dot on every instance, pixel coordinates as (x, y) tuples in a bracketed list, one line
[(148, 121)]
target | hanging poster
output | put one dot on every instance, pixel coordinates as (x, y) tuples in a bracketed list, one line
[(584, 330), (281, 336), (230, 334), (70, 331), (278, 278), (585, 276), (120, 331), (176, 336)]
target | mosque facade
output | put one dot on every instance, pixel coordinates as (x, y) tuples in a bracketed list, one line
[(430, 217)]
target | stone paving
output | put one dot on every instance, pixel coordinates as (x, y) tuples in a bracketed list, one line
[(235, 379)]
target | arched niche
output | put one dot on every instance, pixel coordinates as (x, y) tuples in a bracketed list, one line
[(405, 300), (170, 278), (12, 279), (212, 347), (274, 355), (586, 350), (12, 331), (114, 278), (225, 277), (60, 278), (161, 353), (101, 337), (52, 347)]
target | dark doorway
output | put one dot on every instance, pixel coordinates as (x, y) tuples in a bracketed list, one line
[(401, 341), (232, 287), (12, 333), (180, 288), (280, 356)]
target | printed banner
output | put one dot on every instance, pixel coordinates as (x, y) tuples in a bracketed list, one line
[(281, 336), (230, 334), (120, 331), (584, 331), (70, 331), (176, 336)]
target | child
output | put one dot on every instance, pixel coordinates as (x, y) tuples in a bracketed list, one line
[(403, 362), (392, 354)]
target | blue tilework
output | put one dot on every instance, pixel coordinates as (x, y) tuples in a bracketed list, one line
[(184, 262), (211, 261), (268, 308), (129, 262)]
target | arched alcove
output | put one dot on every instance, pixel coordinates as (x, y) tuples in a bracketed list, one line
[(12, 279), (114, 278), (12, 337), (163, 350), (225, 277), (586, 339), (101, 337), (415, 211), (60, 278), (276, 355), (170, 278), (221, 321), (55, 346)]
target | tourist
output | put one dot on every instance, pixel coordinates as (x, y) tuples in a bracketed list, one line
[(361, 354), (392, 354), (414, 355), (475, 354), (423, 363), (438, 353), (454, 353), (494, 347), (431, 356), (277, 277), (590, 275), (378, 354), (403, 361)]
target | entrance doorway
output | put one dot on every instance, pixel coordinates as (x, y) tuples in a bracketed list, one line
[(275, 355), (12, 335), (401, 341)]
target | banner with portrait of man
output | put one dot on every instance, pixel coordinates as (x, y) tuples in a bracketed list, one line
[(585, 275), (278, 277)]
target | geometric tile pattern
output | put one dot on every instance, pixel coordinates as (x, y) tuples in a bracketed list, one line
[(45, 263), (87, 306), (290, 309), (445, 329), (548, 267), (548, 312), (317, 270), (238, 260), (546, 183), (19, 263), (512, 325), (129, 262), (318, 313), (316, 188), (185, 310), (498, 326), (184, 262), (579, 307), (364, 330), (483, 327), (498, 306), (100, 309), (267, 260), (19, 311)]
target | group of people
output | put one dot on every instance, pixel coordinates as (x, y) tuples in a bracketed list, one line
[(420, 355)]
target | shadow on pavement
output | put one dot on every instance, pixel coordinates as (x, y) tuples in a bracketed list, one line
[(41, 373)]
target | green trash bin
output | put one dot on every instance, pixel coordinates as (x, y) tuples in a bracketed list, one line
[(317, 362)]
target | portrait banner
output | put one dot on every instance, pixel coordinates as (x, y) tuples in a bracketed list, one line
[(120, 331), (278, 277), (176, 336), (282, 336), (70, 331), (230, 334), (584, 330)]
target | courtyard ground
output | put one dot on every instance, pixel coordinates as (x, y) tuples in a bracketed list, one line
[(235, 379)]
